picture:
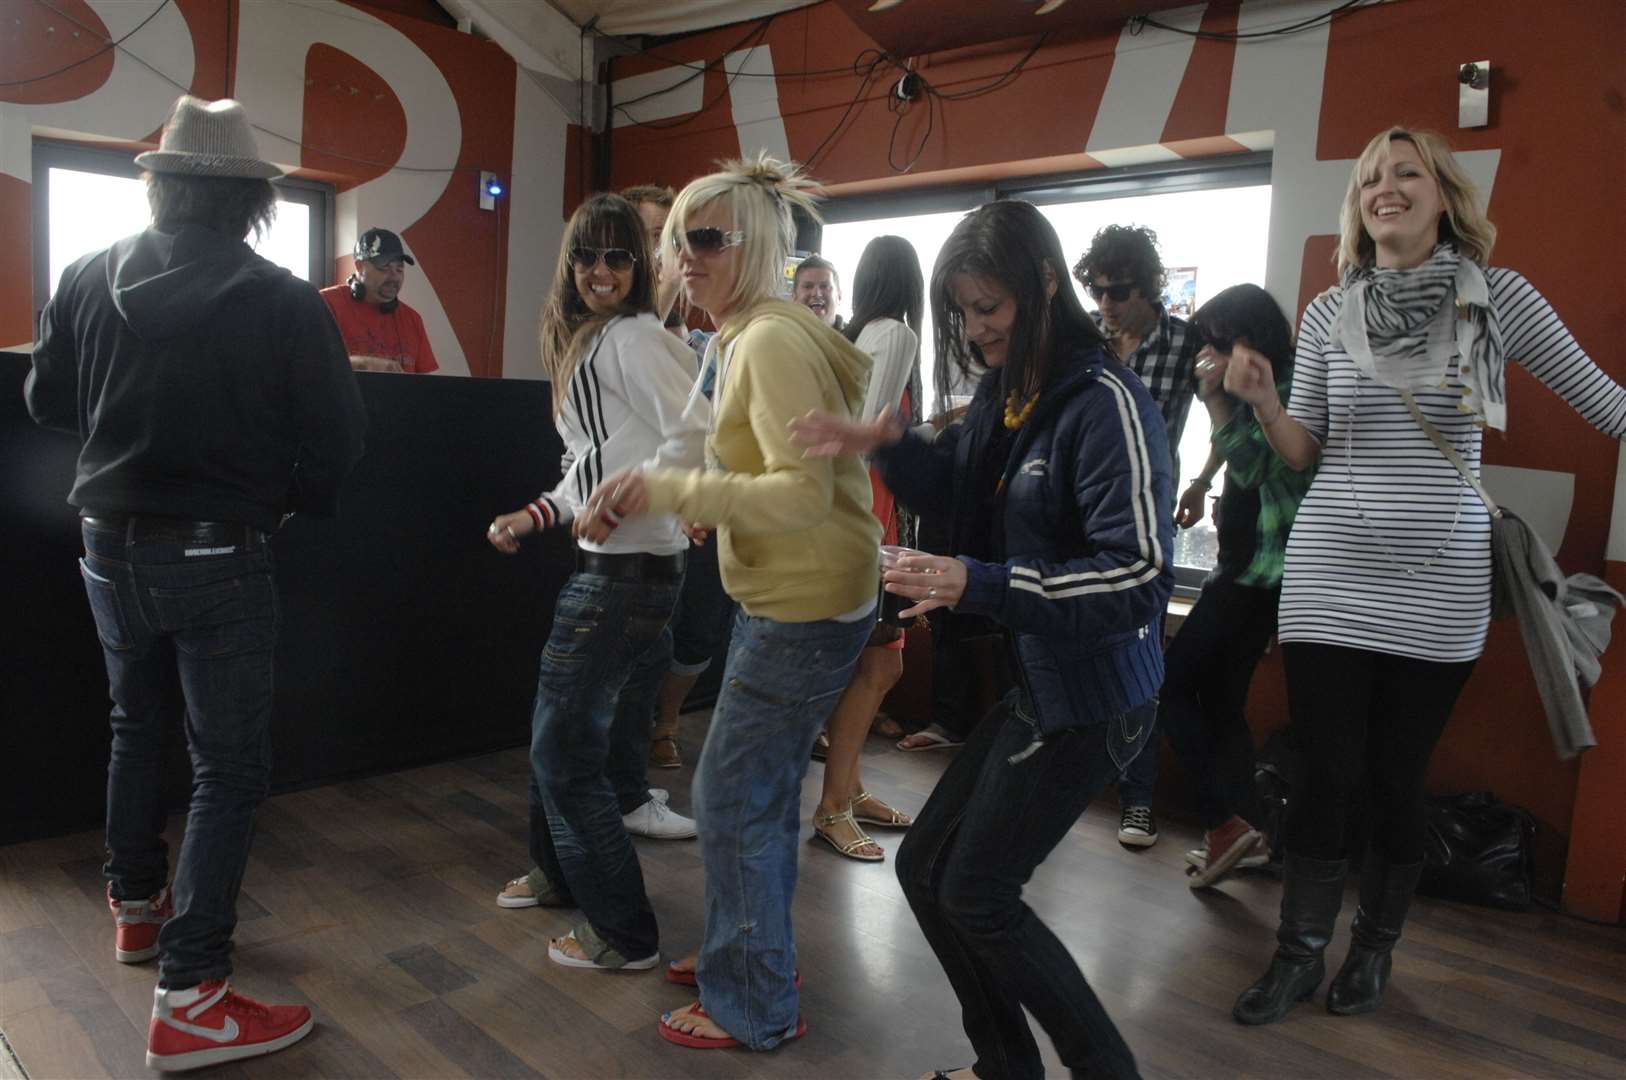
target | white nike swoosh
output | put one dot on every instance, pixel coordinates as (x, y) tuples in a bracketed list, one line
[(223, 1034)]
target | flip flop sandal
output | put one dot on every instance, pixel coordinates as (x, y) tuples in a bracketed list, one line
[(686, 977), (549, 897), (895, 819), (934, 741), (712, 1042), (564, 959), (853, 849)]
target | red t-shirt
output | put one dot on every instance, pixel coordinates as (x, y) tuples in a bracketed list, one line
[(367, 331)]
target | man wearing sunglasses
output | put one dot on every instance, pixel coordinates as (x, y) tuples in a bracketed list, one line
[(1123, 273), (381, 333)]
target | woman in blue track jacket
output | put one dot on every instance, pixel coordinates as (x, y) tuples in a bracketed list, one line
[(1057, 484)]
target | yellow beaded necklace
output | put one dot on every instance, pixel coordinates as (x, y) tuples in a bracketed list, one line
[(1015, 419)]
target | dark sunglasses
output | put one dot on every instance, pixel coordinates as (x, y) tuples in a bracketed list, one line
[(1119, 292), (585, 258), (708, 241)]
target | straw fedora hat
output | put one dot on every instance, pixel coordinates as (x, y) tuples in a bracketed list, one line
[(208, 138)]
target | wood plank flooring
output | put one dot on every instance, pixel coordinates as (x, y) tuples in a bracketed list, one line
[(372, 901)]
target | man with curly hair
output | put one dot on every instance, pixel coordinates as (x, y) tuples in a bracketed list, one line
[(1123, 273)]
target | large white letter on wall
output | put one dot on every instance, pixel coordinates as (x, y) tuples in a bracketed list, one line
[(273, 40)]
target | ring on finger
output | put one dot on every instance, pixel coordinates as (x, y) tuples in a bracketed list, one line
[(931, 593)]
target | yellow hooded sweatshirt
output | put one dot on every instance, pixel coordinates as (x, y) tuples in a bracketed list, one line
[(798, 542)]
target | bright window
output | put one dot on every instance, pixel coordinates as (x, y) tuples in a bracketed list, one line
[(1214, 234), (95, 197)]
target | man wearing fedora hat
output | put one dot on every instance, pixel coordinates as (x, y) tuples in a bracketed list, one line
[(213, 397), (380, 332)]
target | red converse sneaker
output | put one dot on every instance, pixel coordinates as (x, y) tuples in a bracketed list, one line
[(136, 923), (207, 1024), (1226, 847)]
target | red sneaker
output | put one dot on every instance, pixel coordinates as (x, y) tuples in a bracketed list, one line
[(1227, 846), (208, 1023), (136, 924)]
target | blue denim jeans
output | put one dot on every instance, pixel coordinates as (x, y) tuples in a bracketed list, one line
[(600, 670), (1001, 807), (188, 637), (781, 683), (703, 612)]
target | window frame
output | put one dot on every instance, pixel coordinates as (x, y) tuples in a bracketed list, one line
[(1252, 169), (50, 154)]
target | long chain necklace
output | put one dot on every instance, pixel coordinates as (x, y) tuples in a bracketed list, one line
[(1349, 468)]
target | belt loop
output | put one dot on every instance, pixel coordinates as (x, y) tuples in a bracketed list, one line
[(129, 532)]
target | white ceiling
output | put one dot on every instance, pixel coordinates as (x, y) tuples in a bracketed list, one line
[(669, 16)]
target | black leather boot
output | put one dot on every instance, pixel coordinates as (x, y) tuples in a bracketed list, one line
[(1312, 891), (1386, 891)]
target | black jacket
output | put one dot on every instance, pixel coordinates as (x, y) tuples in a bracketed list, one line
[(204, 382), (1084, 524)]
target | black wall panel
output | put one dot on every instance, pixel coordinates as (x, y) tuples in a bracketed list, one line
[(406, 638)]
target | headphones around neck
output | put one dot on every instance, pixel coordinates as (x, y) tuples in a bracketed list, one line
[(358, 292)]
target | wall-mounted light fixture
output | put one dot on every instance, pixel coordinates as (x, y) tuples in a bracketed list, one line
[(1473, 94), (490, 189)]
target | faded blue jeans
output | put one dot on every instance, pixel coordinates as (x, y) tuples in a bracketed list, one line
[(188, 632), (600, 670), (780, 685)]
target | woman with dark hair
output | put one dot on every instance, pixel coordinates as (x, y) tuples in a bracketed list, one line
[(1386, 591), (620, 398), (888, 302), (1209, 664), (1057, 484)]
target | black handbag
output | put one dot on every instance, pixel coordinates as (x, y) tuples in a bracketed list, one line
[(1477, 851)]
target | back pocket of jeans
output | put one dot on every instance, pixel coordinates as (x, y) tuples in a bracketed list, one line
[(108, 610), (226, 618)]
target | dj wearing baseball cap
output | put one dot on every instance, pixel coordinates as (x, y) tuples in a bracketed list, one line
[(380, 332)]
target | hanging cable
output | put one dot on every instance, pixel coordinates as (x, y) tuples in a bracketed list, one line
[(108, 44), (1138, 22)]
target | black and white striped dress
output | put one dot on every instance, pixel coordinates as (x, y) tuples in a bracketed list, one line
[(1382, 581)]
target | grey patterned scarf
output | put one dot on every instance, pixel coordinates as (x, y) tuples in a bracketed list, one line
[(1404, 327)]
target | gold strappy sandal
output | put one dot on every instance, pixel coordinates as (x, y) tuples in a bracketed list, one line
[(853, 849)]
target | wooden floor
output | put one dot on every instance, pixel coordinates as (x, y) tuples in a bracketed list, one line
[(372, 902)]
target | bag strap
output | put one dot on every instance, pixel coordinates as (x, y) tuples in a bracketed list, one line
[(1450, 452)]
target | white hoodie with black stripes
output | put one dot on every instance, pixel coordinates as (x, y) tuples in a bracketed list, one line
[(628, 406)]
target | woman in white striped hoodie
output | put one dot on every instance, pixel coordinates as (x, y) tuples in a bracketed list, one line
[(621, 400)]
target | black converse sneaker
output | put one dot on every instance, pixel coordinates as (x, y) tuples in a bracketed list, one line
[(1136, 828)]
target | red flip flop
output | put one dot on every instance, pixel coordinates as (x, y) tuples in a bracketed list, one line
[(680, 977), (706, 1042)]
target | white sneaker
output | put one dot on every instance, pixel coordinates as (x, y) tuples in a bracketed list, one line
[(658, 821)]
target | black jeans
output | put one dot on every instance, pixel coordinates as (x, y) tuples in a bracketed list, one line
[(1366, 723), (599, 673), (1208, 668), (188, 632), (998, 812)]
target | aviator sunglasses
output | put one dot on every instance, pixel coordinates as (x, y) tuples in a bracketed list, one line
[(708, 241), (585, 258), (1119, 292)]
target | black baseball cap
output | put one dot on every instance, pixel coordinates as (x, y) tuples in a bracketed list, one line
[(377, 245)]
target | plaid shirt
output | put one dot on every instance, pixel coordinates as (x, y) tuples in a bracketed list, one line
[(1251, 463), (1164, 361)]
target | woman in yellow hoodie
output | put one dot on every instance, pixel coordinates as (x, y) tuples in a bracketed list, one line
[(798, 548)]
